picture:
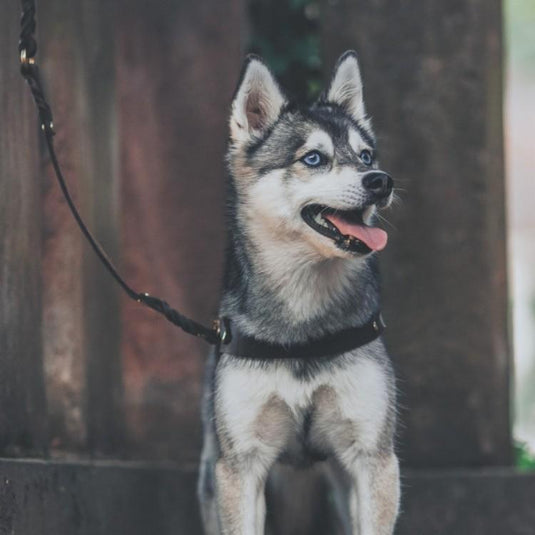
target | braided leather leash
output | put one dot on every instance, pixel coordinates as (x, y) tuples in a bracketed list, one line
[(30, 72)]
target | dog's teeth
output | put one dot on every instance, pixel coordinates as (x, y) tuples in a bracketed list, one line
[(318, 218)]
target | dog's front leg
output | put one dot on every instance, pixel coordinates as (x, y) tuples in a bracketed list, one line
[(373, 494), (240, 496)]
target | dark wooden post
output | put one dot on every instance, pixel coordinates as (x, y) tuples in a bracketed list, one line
[(433, 83), (177, 65), (81, 316), (23, 429), (105, 416)]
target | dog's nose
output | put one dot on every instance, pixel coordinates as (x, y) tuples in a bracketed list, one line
[(378, 183)]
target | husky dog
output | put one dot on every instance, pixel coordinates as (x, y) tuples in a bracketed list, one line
[(304, 190)]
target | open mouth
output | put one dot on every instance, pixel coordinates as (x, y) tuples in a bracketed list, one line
[(345, 227)]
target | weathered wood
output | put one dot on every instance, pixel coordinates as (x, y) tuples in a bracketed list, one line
[(177, 66), (466, 502), (105, 414), (81, 315), (22, 396), (63, 295), (40, 498), (432, 73)]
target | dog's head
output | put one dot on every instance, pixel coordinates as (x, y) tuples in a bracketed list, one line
[(307, 175)]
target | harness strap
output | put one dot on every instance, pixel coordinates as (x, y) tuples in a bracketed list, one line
[(331, 345), (30, 72)]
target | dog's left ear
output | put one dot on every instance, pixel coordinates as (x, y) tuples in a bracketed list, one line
[(257, 103), (345, 88)]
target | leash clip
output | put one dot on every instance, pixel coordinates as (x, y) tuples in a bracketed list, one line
[(222, 330)]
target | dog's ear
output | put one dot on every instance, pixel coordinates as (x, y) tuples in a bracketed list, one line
[(257, 103), (345, 88)]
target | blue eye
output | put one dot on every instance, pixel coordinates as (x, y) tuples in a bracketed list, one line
[(365, 157), (312, 158)]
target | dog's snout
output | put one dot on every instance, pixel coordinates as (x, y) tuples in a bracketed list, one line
[(378, 183)]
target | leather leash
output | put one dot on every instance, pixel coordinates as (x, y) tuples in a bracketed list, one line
[(30, 72), (239, 344)]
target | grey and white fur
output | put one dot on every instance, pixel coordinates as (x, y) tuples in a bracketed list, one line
[(287, 283)]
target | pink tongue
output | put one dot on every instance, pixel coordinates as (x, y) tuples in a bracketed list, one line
[(375, 238)]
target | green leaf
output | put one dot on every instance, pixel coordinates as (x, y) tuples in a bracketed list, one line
[(524, 458)]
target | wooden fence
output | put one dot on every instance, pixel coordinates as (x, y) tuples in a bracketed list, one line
[(99, 425)]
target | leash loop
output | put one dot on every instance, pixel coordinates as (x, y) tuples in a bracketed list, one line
[(30, 72)]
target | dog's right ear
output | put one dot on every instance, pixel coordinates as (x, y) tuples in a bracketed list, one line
[(257, 103)]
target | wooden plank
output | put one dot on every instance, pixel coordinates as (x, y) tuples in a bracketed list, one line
[(177, 66), (105, 416), (96, 499), (81, 318), (63, 294), (433, 83), (134, 498), (22, 397), (465, 502)]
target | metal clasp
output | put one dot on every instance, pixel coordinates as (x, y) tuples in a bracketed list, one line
[(379, 324), (24, 59), (222, 330)]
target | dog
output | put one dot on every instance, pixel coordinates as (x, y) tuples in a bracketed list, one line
[(301, 272)]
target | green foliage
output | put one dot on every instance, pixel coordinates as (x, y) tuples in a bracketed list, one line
[(520, 33), (286, 34), (524, 458)]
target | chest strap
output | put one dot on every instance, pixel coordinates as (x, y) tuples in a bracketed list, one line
[(331, 345)]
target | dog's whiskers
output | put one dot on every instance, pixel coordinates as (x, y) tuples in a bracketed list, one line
[(385, 220)]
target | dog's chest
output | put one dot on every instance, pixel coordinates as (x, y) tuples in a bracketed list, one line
[(266, 408)]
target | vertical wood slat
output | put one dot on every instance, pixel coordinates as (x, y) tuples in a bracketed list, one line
[(104, 365), (432, 74), (81, 320), (63, 295), (177, 66), (23, 429)]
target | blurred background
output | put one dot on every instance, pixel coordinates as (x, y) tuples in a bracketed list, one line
[(520, 172), (99, 397)]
